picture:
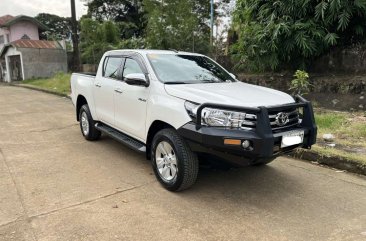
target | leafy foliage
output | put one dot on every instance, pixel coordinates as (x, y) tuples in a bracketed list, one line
[(281, 34), (160, 24), (176, 24), (300, 85), (97, 38), (128, 14), (132, 43), (59, 27)]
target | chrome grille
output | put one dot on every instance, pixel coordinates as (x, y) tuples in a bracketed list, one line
[(250, 121), (293, 119)]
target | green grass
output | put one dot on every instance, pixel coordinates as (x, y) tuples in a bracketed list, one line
[(344, 125), (360, 129), (349, 130), (330, 121), (59, 83)]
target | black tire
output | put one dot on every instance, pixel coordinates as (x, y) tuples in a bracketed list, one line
[(92, 134), (186, 161)]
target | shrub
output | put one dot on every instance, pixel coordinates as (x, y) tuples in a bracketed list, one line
[(289, 34), (300, 85)]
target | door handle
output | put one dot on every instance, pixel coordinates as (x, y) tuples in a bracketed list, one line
[(98, 85), (118, 90)]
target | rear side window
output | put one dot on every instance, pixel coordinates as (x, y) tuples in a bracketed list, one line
[(112, 67)]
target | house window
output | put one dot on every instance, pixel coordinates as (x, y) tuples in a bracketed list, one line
[(2, 39), (7, 38)]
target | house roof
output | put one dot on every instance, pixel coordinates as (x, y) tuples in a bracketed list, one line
[(8, 20), (5, 19), (36, 44), (30, 43)]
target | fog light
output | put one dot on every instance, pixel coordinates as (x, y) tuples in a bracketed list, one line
[(245, 144)]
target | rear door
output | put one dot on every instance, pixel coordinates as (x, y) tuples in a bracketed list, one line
[(104, 87), (131, 101)]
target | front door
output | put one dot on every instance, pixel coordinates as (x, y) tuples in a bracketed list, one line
[(104, 86), (131, 101), (15, 68)]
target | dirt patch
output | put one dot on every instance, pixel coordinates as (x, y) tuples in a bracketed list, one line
[(337, 101), (338, 84), (330, 160), (342, 147)]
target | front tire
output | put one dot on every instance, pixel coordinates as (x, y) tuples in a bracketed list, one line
[(263, 162), (87, 124), (175, 165)]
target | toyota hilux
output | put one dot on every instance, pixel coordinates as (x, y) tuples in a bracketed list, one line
[(178, 106)]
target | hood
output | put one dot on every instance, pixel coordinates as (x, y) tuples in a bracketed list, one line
[(237, 94)]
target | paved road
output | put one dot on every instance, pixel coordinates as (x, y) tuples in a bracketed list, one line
[(56, 186)]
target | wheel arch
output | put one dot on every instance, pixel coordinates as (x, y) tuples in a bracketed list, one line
[(80, 101), (155, 127)]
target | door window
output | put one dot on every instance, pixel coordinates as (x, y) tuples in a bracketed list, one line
[(131, 67), (112, 67)]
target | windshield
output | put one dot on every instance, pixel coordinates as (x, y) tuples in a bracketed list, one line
[(187, 69)]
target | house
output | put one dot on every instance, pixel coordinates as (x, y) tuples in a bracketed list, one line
[(23, 55)]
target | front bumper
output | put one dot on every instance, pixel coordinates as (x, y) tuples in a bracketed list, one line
[(266, 144)]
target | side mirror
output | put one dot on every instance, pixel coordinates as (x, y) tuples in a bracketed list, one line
[(232, 75), (136, 79)]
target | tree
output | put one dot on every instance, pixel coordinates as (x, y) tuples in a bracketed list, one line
[(175, 24), (281, 34), (97, 38), (224, 10), (128, 14), (58, 27)]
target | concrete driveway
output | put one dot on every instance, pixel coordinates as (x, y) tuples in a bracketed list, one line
[(54, 185)]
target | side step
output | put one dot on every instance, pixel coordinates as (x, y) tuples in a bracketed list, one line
[(123, 138)]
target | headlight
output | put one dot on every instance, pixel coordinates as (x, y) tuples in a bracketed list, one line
[(216, 117)]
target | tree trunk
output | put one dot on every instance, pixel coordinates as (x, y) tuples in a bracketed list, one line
[(75, 39)]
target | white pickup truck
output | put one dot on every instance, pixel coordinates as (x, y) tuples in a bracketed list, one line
[(180, 107)]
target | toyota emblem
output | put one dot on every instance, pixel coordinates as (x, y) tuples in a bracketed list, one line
[(282, 119)]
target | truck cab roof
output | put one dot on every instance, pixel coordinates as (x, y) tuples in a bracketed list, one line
[(150, 51)]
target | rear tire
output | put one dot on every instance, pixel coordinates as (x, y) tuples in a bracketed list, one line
[(87, 124), (175, 165)]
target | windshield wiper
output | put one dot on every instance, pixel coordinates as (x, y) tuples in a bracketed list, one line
[(175, 83), (209, 81)]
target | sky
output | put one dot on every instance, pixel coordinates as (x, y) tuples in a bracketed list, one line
[(34, 7)]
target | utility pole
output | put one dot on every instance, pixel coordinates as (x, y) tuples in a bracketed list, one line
[(212, 22), (75, 38)]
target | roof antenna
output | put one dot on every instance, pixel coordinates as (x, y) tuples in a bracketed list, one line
[(174, 50)]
